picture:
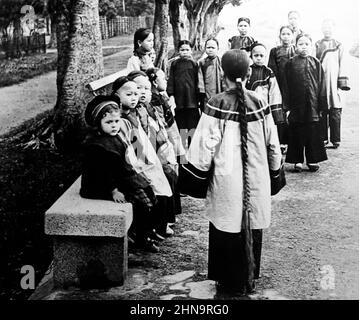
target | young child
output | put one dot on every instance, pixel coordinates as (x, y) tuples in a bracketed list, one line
[(158, 136), (278, 57), (143, 45), (234, 149), (145, 160), (264, 82), (209, 72), (106, 173), (330, 53), (182, 89), (243, 41), (160, 103), (154, 146), (306, 103)]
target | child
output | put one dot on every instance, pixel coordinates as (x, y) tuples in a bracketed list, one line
[(236, 147), (182, 88), (243, 41), (306, 103), (143, 45), (150, 164), (278, 57), (330, 53), (263, 81), (209, 72), (293, 22), (158, 136), (160, 103), (106, 173)]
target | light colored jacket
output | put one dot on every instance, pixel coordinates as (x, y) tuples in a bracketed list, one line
[(217, 143)]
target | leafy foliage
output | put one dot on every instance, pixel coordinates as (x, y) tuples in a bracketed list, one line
[(113, 8)]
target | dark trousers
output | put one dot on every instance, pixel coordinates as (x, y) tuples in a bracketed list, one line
[(333, 121), (305, 138), (160, 216), (227, 259), (187, 120), (142, 223)]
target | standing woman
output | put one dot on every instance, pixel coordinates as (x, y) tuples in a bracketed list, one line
[(243, 40), (235, 148), (142, 50), (210, 72), (307, 102), (278, 58), (182, 88)]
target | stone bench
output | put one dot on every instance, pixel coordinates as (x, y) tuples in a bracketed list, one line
[(89, 240)]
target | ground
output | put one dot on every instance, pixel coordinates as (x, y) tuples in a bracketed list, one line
[(310, 251)]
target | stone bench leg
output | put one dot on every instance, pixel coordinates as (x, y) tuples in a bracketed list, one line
[(89, 262)]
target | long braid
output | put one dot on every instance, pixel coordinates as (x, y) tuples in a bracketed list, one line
[(246, 228)]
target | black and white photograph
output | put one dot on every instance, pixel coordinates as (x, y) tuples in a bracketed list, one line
[(183, 156)]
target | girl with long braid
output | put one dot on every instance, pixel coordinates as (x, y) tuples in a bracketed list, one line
[(233, 152)]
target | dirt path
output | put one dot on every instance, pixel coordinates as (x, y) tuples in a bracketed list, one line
[(25, 100), (311, 250)]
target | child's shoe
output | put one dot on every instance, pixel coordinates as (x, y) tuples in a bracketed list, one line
[(298, 167), (313, 167), (155, 236), (169, 231), (148, 245), (336, 145)]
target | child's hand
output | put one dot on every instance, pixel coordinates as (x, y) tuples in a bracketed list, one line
[(118, 197)]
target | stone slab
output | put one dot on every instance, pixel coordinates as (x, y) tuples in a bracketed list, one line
[(89, 262), (72, 215)]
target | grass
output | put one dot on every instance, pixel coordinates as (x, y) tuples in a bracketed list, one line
[(17, 70)]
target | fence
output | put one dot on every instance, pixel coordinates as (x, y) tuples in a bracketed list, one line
[(123, 25), (18, 46)]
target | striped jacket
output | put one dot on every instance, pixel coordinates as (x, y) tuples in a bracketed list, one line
[(216, 149), (264, 82)]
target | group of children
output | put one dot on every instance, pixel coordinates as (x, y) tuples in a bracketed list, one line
[(141, 131), (302, 87), (131, 154)]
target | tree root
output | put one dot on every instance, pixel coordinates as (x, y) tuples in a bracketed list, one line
[(35, 133)]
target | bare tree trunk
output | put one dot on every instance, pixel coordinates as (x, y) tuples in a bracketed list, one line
[(179, 21), (79, 62), (210, 23), (160, 30)]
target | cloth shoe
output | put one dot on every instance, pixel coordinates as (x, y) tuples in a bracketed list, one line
[(313, 167), (169, 231)]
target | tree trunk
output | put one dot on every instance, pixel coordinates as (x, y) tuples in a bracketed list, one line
[(160, 30), (79, 62), (179, 21), (210, 22)]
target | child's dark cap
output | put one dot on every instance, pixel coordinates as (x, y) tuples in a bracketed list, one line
[(94, 107)]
